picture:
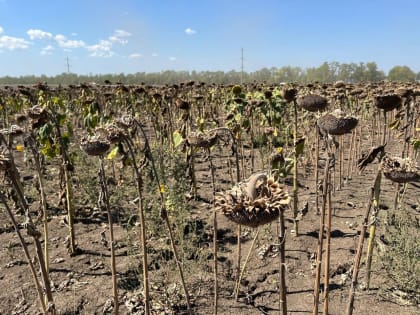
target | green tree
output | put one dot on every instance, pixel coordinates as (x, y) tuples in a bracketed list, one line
[(401, 73), (324, 73), (372, 72), (289, 74)]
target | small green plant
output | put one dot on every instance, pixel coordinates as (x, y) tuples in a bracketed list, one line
[(400, 254), (11, 250)]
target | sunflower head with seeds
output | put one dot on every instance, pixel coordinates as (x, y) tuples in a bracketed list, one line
[(255, 202), (400, 170), (95, 145)]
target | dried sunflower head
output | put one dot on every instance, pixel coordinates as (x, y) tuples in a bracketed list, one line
[(400, 170), (370, 156), (125, 121), (312, 102), (337, 123), (202, 140), (112, 133), (387, 102), (254, 202), (289, 94), (94, 145), (36, 112)]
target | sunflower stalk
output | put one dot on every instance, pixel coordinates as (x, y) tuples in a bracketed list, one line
[(216, 286), (143, 240), (164, 215), (372, 229), (326, 183), (104, 188), (238, 179), (242, 273), (69, 193), (359, 252), (283, 288), (295, 173), (44, 214), (26, 252), (13, 174), (327, 253)]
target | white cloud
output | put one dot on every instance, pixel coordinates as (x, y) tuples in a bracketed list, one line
[(74, 34), (60, 38), (1, 30), (12, 43), (63, 42), (155, 55), (47, 50), (102, 49), (134, 56), (119, 36), (118, 40), (38, 34), (72, 44), (121, 33), (190, 31), (172, 58)]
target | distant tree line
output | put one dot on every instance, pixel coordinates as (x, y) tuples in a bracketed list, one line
[(326, 72)]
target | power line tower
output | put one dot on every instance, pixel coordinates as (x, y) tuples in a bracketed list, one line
[(68, 65)]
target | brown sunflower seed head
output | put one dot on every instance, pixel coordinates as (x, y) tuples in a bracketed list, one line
[(254, 202), (36, 112), (400, 170), (312, 102), (387, 102), (182, 104), (94, 145), (112, 133), (125, 121), (289, 94), (201, 140), (337, 123)]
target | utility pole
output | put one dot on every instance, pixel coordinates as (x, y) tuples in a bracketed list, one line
[(68, 64), (242, 65)]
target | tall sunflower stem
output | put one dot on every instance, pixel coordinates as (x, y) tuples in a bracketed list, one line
[(326, 183), (242, 273), (26, 252), (372, 229), (295, 174), (216, 286), (283, 287), (111, 233)]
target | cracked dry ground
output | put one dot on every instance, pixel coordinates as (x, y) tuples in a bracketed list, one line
[(82, 284)]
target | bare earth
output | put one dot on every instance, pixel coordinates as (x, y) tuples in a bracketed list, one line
[(82, 284)]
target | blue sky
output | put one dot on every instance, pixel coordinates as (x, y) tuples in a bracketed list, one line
[(128, 36)]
